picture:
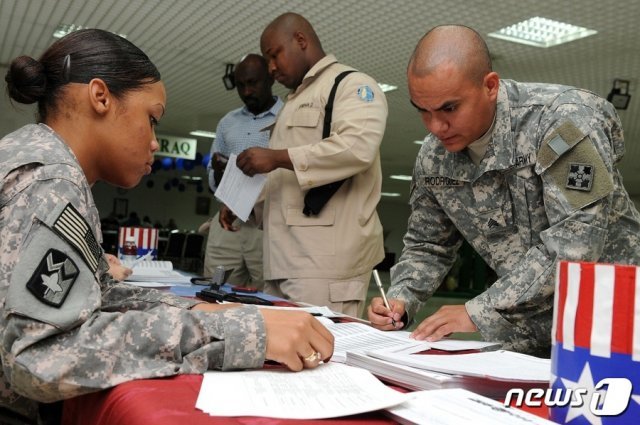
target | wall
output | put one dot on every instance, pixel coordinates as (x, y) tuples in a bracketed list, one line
[(12, 115)]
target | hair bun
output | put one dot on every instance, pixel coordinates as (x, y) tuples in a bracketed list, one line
[(26, 80)]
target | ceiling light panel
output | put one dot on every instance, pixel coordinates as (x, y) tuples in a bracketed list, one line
[(542, 32)]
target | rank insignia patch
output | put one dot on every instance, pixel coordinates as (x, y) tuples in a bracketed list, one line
[(53, 278), (580, 176)]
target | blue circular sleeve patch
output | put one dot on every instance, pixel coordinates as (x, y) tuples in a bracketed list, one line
[(365, 93)]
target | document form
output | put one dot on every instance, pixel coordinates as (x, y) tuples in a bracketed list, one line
[(360, 338), (330, 390), (238, 191)]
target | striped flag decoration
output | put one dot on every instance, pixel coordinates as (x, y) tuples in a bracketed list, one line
[(146, 239), (596, 337), (72, 226)]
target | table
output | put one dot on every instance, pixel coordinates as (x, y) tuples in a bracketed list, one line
[(170, 401)]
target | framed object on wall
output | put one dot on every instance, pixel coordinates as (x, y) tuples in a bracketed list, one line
[(120, 207), (203, 204)]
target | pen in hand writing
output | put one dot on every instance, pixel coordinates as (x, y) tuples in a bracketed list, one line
[(376, 277)]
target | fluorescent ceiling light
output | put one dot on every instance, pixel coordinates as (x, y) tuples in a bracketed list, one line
[(203, 133), (419, 142), (390, 194), (64, 29), (542, 32), (400, 177), (387, 87)]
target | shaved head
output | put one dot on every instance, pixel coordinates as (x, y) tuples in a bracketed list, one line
[(291, 47), (455, 46), (288, 24), (253, 60), (452, 86)]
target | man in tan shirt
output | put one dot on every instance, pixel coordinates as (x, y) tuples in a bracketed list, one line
[(327, 258)]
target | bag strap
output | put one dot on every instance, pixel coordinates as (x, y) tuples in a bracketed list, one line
[(317, 197)]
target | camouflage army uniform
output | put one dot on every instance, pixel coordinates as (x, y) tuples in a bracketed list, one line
[(547, 189), (67, 327)]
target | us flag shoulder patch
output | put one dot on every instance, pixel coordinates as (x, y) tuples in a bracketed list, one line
[(53, 278), (75, 230)]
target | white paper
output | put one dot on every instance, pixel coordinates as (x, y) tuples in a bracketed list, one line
[(330, 390), (360, 338), (461, 344), (500, 364), (458, 406), (238, 191), (158, 272)]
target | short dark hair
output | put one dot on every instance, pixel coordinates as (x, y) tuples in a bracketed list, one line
[(78, 58)]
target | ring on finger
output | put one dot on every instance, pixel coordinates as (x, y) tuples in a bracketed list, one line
[(315, 356)]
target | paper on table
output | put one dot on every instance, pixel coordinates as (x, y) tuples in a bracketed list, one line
[(328, 391), (238, 191), (458, 406), (360, 338), (447, 344), (501, 364)]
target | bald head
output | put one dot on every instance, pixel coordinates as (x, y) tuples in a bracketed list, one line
[(253, 83), (455, 46), (288, 24), (291, 47), (253, 60)]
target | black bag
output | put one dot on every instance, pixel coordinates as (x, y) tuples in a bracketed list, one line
[(317, 197)]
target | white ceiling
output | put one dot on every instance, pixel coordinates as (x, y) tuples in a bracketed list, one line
[(191, 41)]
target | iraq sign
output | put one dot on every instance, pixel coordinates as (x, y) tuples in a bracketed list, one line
[(176, 147)]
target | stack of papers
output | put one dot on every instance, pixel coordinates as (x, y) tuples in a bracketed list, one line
[(501, 364), (456, 406), (404, 376), (491, 374), (148, 272), (330, 390)]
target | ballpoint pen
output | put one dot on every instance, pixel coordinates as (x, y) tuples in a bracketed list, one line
[(376, 277), (141, 259)]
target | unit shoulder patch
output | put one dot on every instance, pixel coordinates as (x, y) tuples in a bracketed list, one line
[(580, 176), (365, 93), (52, 280)]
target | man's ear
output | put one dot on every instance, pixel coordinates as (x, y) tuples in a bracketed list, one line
[(492, 84), (99, 96), (301, 39)]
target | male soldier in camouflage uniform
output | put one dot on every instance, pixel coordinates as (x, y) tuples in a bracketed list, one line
[(525, 173)]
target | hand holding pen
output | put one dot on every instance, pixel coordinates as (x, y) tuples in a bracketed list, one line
[(378, 312)]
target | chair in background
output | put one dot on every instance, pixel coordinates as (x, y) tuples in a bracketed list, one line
[(192, 256), (175, 247)]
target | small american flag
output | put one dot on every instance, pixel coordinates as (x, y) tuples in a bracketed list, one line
[(146, 239), (596, 335)]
